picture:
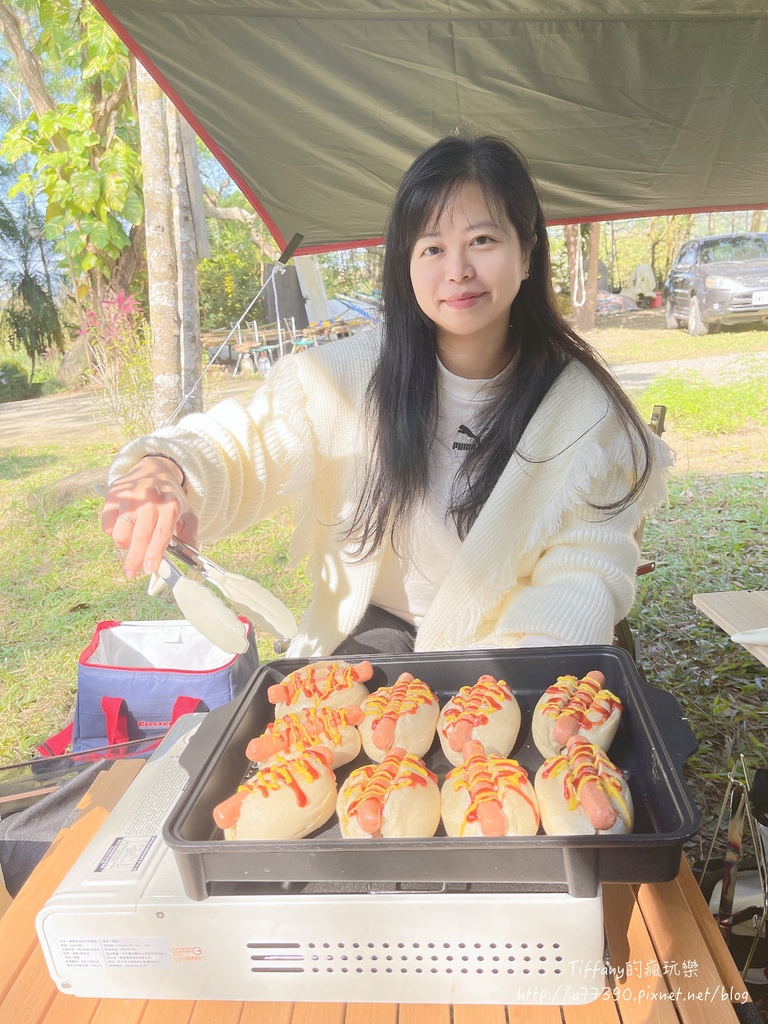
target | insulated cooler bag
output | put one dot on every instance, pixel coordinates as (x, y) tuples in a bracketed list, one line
[(134, 679)]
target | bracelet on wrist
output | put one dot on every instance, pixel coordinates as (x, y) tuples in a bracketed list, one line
[(169, 458)]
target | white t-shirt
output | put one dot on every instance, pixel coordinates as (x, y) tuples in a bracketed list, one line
[(427, 542)]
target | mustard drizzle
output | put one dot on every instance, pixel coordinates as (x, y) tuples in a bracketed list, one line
[(584, 698), (378, 781), (488, 778), (585, 762), (474, 703)]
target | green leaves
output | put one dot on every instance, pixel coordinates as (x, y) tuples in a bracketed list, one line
[(86, 189), (75, 242), (99, 236), (82, 154), (133, 208)]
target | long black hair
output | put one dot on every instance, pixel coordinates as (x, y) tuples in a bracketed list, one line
[(401, 395)]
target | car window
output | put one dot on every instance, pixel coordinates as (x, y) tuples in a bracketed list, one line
[(685, 258), (722, 249)]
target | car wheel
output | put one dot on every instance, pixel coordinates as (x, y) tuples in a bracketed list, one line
[(696, 325), (670, 320)]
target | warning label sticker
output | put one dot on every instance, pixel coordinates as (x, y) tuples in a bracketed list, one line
[(125, 853), (114, 952)]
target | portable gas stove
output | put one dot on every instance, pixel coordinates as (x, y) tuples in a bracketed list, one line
[(121, 925), (160, 905)]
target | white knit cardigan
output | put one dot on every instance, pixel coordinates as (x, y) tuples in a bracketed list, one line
[(539, 564)]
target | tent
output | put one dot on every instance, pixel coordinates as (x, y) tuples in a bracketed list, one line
[(316, 107)]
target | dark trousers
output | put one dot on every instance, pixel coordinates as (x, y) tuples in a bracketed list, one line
[(378, 632)]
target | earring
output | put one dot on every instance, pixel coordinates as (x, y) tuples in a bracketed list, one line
[(527, 275)]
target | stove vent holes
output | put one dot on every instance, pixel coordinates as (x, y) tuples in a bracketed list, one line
[(276, 957), (521, 959)]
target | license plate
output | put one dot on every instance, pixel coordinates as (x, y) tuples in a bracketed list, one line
[(760, 298)]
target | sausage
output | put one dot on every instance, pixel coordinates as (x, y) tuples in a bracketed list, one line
[(597, 807)]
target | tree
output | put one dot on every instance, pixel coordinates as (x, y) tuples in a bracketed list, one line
[(82, 143), (352, 270), (164, 318), (30, 319), (191, 240), (665, 236), (583, 289)]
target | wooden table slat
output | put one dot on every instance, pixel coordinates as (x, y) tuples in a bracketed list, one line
[(424, 1013), (534, 1015), (479, 1015), (71, 1010), (677, 940), (28, 999), (119, 1011), (265, 1013), (735, 611), (209, 1011), (601, 1011), (371, 1013), (712, 935), (319, 1013), (168, 1011), (639, 994)]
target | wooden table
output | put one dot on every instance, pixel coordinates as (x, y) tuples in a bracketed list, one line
[(672, 963), (738, 610)]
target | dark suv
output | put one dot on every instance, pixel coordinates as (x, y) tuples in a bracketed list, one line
[(718, 280)]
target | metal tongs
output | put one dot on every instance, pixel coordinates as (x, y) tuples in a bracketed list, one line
[(207, 612)]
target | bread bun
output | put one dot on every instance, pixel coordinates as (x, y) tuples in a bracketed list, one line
[(401, 715), (582, 793), (487, 711), (574, 707), (333, 684), (286, 801), (295, 733), (397, 798), (488, 795)]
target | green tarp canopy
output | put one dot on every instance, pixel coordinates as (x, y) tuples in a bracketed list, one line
[(316, 107)]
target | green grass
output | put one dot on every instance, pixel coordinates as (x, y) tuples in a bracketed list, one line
[(15, 371), (702, 406), (62, 575), (626, 345), (710, 537)]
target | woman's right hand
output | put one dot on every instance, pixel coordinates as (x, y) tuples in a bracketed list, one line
[(144, 509)]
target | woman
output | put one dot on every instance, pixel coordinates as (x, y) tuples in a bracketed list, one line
[(471, 475)]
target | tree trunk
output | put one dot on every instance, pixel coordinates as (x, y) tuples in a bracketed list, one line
[(583, 287), (575, 265), (186, 252), (757, 217), (130, 261), (30, 66), (161, 250), (590, 306)]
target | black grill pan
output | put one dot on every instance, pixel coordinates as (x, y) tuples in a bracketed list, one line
[(651, 746)]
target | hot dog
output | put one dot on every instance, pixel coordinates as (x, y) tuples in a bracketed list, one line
[(294, 733), (402, 715), (487, 711), (285, 801), (398, 797), (334, 684), (573, 707), (581, 792), (488, 795)]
